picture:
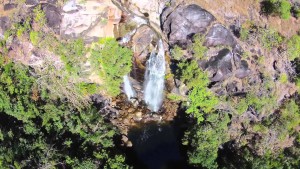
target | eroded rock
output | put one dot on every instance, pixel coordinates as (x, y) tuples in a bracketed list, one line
[(185, 21), (219, 35), (89, 20), (53, 17), (220, 66)]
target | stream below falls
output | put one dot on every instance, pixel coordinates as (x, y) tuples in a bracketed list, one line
[(157, 146)]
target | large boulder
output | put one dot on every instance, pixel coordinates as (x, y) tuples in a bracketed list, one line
[(4, 25), (219, 35), (142, 42), (185, 21), (220, 66), (53, 16), (89, 20)]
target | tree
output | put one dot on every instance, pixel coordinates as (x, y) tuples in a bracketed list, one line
[(112, 62), (293, 47), (204, 140), (43, 132), (201, 100)]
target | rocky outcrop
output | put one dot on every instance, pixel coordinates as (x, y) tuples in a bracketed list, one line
[(89, 20), (53, 17), (182, 23), (4, 25), (150, 9), (219, 35), (220, 66)]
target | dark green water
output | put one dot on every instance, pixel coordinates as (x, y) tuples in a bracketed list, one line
[(157, 146)]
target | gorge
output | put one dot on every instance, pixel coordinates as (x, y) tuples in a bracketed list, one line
[(157, 84)]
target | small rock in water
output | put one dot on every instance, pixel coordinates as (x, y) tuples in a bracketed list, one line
[(130, 110), (138, 114)]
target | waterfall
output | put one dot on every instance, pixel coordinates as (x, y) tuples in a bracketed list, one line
[(129, 91), (154, 78)]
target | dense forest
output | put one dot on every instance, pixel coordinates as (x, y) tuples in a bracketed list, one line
[(232, 81)]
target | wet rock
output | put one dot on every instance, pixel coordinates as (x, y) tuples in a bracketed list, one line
[(90, 20), (184, 22), (220, 66), (150, 9), (8, 7), (138, 114), (53, 17), (142, 42), (219, 35), (243, 70)]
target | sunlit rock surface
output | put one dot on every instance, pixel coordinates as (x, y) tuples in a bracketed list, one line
[(89, 20)]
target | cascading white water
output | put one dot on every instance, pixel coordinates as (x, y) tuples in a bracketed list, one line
[(155, 78), (129, 91)]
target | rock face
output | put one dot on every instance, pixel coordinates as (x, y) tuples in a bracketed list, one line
[(4, 25), (89, 20), (142, 43), (185, 21), (150, 9), (220, 66), (219, 35), (53, 17)]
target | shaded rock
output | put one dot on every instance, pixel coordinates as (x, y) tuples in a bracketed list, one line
[(53, 17), (184, 22), (232, 87), (4, 24), (219, 35), (89, 20), (243, 70), (220, 66), (8, 7), (32, 2)]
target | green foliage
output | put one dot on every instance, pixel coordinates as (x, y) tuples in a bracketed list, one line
[(198, 48), (39, 17), (293, 47), (204, 140), (34, 37), (285, 9), (38, 132), (290, 116), (244, 34), (201, 100), (283, 78), (175, 97), (177, 52), (270, 38), (278, 7), (72, 54), (112, 62)]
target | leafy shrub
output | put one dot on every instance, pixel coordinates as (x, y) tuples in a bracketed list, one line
[(270, 38), (278, 7), (39, 17), (34, 37), (112, 62), (204, 140), (285, 9), (283, 78), (201, 100), (176, 52), (293, 47), (198, 48)]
